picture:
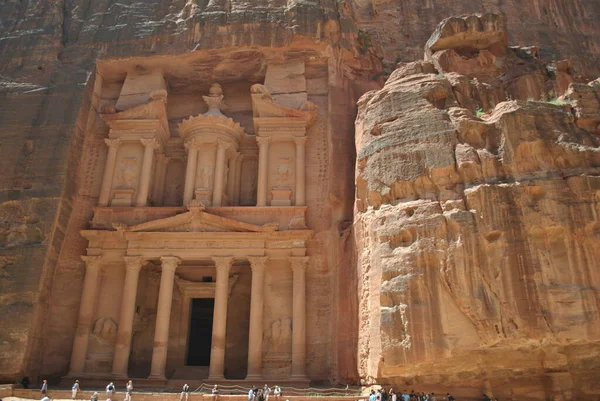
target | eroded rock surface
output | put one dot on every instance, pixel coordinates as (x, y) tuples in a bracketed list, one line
[(477, 232)]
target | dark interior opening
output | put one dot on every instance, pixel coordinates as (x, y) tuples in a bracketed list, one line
[(199, 341)]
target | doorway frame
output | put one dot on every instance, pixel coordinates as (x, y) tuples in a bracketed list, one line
[(190, 290)]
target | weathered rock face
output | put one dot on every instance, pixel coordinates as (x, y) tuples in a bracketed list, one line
[(476, 235), (49, 54)]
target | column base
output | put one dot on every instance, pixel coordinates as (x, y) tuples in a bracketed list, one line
[(118, 376), (299, 378), (157, 377), (73, 375), (215, 378), (258, 377)]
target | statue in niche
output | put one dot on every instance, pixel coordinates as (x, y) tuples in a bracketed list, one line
[(283, 171), (174, 193), (106, 329), (127, 175), (204, 175), (281, 334)]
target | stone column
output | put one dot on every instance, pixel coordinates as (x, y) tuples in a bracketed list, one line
[(299, 265), (162, 180), (133, 264), (190, 172), (163, 317), (109, 170), (86, 314), (238, 180), (231, 177), (300, 170), (219, 174), (219, 332), (255, 338), (263, 167), (144, 185)]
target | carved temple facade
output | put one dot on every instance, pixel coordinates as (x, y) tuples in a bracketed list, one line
[(197, 250)]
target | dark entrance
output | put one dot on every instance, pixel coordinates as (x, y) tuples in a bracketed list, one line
[(199, 341)]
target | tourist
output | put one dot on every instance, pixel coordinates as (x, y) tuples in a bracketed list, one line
[(266, 392), (277, 392), (94, 396), (25, 382), (110, 390), (215, 393), (128, 390), (486, 398), (185, 391), (382, 394), (372, 396), (449, 397), (44, 387), (46, 398), (251, 394), (75, 389), (433, 397), (405, 396)]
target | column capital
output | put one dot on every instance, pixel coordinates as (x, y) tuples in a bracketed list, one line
[(170, 262), (92, 262), (112, 142), (299, 263), (299, 140), (190, 144), (223, 144), (134, 262), (258, 263), (150, 142), (223, 262), (263, 140)]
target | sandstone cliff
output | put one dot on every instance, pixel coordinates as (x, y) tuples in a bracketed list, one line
[(49, 53), (476, 224)]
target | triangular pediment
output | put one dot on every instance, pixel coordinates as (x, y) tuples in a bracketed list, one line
[(197, 221)]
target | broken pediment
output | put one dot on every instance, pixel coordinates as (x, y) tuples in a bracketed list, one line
[(140, 117), (196, 220), (266, 110)]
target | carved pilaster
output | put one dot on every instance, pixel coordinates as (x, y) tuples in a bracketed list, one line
[(217, 354), (109, 170), (255, 338), (263, 167), (299, 265), (163, 316)]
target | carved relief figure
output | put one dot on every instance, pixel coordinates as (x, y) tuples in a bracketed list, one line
[(283, 171), (106, 329), (127, 174), (204, 175), (281, 335)]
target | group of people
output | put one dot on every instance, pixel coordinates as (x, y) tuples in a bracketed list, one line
[(263, 394), (110, 391), (391, 395), (257, 393)]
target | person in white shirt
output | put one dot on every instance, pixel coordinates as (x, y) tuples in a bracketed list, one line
[(266, 392), (129, 388), (110, 390), (46, 398), (75, 389), (185, 391), (277, 392), (215, 393)]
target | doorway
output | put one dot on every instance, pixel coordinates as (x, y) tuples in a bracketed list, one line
[(200, 335)]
